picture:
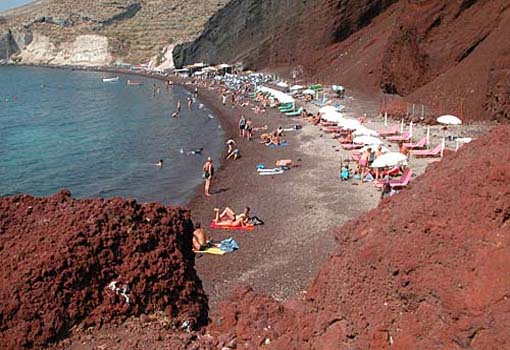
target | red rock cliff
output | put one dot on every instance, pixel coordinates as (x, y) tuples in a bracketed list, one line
[(60, 255)]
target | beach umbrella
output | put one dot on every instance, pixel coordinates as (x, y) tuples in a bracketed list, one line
[(449, 120), (334, 117), (296, 88), (389, 159), (428, 135), (367, 140), (309, 92), (328, 109), (363, 131), (350, 124)]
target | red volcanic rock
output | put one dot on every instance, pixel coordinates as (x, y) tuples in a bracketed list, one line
[(428, 269), (60, 255)]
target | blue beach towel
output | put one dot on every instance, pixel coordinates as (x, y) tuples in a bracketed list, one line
[(229, 245), (283, 144)]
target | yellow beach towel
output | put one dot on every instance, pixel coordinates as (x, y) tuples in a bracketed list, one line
[(212, 251)]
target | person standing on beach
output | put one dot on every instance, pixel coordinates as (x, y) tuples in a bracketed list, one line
[(249, 129), (223, 99), (196, 91), (242, 126), (208, 169)]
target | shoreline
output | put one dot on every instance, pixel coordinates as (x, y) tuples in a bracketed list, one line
[(301, 208)]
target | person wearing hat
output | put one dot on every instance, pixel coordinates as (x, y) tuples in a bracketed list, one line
[(208, 169)]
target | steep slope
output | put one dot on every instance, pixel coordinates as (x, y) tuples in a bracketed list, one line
[(82, 263), (445, 54), (136, 30), (427, 269)]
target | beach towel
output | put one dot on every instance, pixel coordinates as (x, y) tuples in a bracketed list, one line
[(283, 144), (229, 245), (239, 228), (275, 171), (212, 251)]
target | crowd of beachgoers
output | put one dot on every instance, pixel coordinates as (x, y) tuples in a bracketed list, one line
[(369, 160)]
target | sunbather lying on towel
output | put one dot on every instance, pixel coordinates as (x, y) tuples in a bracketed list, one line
[(228, 218), (347, 139)]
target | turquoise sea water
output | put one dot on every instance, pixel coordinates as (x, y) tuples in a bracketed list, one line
[(68, 129)]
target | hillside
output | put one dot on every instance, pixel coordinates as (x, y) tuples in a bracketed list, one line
[(427, 269), (450, 55), (136, 30)]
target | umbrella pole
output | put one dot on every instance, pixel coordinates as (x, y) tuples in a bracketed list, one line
[(428, 136), (385, 118), (442, 147)]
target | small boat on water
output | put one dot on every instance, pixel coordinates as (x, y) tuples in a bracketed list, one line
[(135, 82), (110, 80)]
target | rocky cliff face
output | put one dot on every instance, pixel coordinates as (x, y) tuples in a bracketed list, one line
[(83, 263), (135, 30), (437, 52)]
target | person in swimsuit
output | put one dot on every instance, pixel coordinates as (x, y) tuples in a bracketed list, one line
[(160, 163), (363, 163), (208, 169), (230, 144), (242, 126), (228, 217), (235, 154), (249, 129), (199, 238)]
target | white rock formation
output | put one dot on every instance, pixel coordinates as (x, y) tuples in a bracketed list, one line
[(85, 50)]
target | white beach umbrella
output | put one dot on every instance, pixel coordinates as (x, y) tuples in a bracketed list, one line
[(328, 109), (309, 92), (333, 117), (363, 131), (367, 140), (389, 159), (350, 124), (449, 120), (296, 88)]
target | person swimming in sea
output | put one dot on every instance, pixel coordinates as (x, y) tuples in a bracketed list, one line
[(160, 163)]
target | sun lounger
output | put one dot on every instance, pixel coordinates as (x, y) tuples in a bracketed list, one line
[(402, 182), (332, 129), (405, 137), (352, 146), (436, 152), (287, 109), (296, 113), (286, 106), (329, 124), (420, 144), (389, 132)]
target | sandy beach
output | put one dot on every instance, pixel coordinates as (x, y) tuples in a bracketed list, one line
[(281, 257)]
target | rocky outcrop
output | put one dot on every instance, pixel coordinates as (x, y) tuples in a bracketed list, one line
[(427, 269), (85, 50), (85, 263), (13, 41)]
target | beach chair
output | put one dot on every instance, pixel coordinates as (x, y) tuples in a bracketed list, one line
[(287, 109), (286, 105), (399, 183), (436, 152), (394, 130), (351, 146), (332, 129), (420, 144), (295, 113), (405, 137)]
